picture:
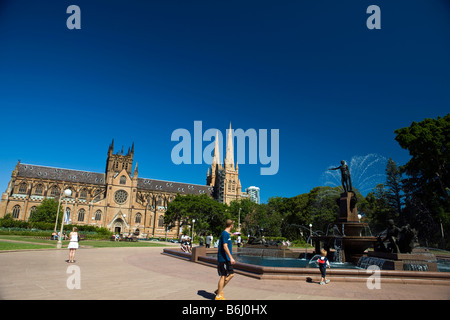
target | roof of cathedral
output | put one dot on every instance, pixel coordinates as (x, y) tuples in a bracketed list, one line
[(78, 176), (52, 173), (176, 187)]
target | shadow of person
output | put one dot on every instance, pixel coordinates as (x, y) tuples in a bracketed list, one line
[(206, 294), (310, 280)]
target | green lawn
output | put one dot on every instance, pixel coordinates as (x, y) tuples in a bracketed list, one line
[(27, 242), (4, 245)]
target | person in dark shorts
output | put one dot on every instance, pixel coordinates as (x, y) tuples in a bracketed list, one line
[(225, 260), (323, 265)]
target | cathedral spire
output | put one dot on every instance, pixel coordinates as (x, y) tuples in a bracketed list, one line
[(216, 158), (229, 157)]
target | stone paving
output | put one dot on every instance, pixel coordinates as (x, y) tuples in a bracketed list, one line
[(145, 273)]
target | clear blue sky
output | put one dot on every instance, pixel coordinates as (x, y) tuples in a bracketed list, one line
[(138, 70)]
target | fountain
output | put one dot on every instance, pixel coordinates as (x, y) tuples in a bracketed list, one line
[(347, 239)]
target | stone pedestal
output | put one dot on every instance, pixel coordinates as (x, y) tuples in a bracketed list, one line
[(348, 208)]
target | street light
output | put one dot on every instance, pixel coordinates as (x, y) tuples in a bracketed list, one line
[(310, 233), (67, 193), (239, 221), (192, 235)]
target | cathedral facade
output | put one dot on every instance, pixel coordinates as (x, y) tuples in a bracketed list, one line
[(117, 199)]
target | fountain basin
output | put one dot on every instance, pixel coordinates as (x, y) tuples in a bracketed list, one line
[(199, 255)]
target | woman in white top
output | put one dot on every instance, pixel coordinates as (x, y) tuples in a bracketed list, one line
[(73, 244)]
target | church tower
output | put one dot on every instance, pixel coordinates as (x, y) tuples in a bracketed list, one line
[(115, 163), (225, 179)]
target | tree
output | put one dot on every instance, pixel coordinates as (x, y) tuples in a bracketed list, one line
[(394, 193), (324, 210), (209, 215), (47, 211), (428, 175), (377, 209)]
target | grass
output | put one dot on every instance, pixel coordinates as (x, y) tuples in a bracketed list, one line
[(4, 245), (14, 242)]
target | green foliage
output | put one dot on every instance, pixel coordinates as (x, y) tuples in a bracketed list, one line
[(209, 215), (427, 202), (47, 211)]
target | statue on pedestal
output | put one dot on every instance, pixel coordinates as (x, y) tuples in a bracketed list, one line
[(345, 176)]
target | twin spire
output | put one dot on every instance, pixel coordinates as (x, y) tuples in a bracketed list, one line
[(229, 155)]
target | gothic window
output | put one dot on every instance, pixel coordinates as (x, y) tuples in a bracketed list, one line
[(67, 216), (39, 190), (81, 214), (32, 209), (54, 192), (117, 165), (98, 215), (138, 218), (123, 180), (159, 201), (23, 187), (83, 194), (161, 221), (16, 212)]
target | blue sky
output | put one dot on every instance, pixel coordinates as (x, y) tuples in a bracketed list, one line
[(138, 70)]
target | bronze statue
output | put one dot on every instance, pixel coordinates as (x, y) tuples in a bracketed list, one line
[(399, 240), (345, 176)]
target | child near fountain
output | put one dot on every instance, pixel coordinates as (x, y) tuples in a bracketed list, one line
[(323, 264)]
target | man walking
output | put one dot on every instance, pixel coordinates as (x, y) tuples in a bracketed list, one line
[(225, 260)]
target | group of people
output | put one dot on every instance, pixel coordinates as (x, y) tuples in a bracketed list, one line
[(186, 243), (55, 236)]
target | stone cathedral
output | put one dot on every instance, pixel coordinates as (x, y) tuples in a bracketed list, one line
[(117, 199)]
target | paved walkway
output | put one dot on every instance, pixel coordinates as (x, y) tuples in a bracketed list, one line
[(144, 273)]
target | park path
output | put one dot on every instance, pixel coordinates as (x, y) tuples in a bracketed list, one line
[(145, 273)]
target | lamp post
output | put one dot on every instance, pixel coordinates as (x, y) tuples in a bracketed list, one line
[(310, 232), (239, 220), (192, 235), (57, 213), (67, 193)]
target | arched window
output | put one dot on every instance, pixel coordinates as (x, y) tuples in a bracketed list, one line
[(161, 221), (98, 215), (32, 209), (138, 218), (16, 212), (39, 190), (81, 214), (159, 201), (83, 194), (123, 180), (54, 192), (23, 187), (67, 216)]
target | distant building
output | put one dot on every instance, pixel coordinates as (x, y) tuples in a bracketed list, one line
[(253, 194)]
